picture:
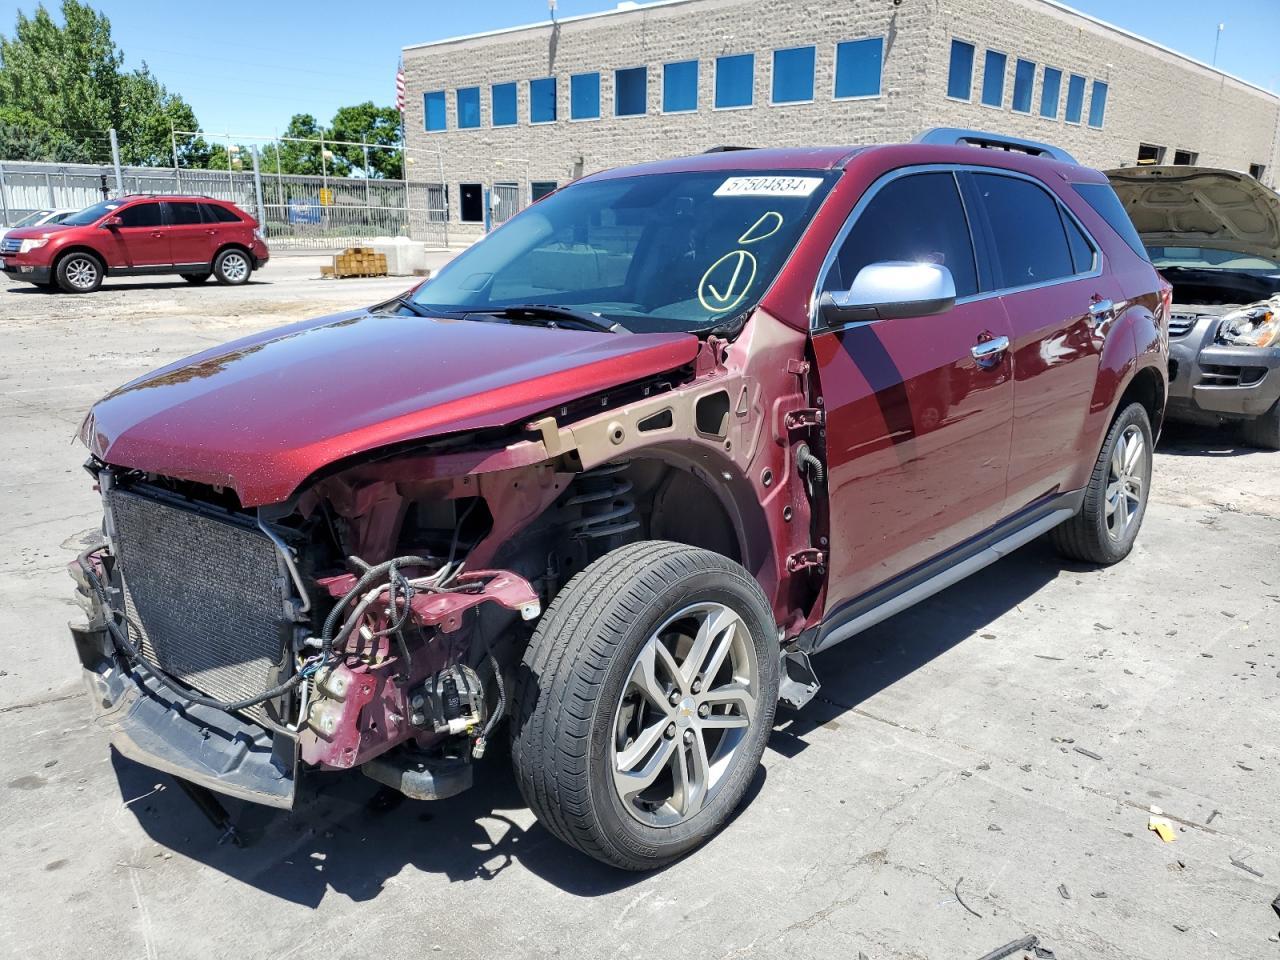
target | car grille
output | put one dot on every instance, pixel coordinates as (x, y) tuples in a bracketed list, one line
[(10, 245), (1180, 324), (204, 597)]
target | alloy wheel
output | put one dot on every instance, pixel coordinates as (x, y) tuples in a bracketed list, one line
[(1126, 482), (235, 267), (82, 273), (684, 714)]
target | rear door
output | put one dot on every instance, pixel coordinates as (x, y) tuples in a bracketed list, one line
[(190, 238), (141, 240), (918, 427), (1049, 272)]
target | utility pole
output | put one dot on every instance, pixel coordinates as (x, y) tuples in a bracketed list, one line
[(177, 173), (115, 161), (257, 190), (1216, 40)]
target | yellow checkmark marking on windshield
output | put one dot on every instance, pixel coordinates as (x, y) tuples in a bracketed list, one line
[(736, 271)]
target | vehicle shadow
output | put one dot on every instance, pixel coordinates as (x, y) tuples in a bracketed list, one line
[(349, 835), (1197, 440), (108, 287)]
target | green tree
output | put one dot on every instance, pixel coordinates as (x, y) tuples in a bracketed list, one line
[(366, 123), (72, 77), (295, 157)]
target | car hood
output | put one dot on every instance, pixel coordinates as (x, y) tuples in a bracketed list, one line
[(262, 414), (1201, 206)]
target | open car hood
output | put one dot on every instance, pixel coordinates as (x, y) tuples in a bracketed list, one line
[(1201, 206), (262, 414)]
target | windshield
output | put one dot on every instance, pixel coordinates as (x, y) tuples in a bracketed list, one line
[(92, 214), (654, 252), (1210, 258), (32, 218)]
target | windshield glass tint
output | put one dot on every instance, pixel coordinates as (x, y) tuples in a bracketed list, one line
[(1209, 258), (674, 251), (92, 214)]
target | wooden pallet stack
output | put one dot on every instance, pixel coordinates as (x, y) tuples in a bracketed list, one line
[(357, 262)]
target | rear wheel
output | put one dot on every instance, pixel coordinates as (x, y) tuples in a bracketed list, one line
[(196, 277), (644, 702), (232, 267), (1263, 431), (78, 273), (1115, 501)]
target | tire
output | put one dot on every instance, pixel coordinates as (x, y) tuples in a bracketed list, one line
[(232, 267), (196, 277), (1100, 533), (579, 701), (1263, 431), (78, 272)]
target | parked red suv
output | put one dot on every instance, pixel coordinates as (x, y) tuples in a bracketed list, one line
[(195, 237), (615, 474)]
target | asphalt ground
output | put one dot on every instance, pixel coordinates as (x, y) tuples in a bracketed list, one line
[(975, 770)]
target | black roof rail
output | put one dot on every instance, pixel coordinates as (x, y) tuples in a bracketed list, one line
[(958, 136), (727, 148)]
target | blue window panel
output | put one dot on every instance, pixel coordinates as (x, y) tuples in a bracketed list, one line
[(793, 74), (468, 107), (1075, 98), (502, 97), (993, 78), (1050, 92), (542, 100), (433, 110), (960, 74), (858, 67), (1098, 104), (584, 96), (680, 86), (631, 92), (1024, 83), (735, 80)]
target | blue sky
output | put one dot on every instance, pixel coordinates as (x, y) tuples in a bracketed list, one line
[(248, 68)]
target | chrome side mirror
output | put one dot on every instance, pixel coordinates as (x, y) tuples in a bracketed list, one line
[(891, 288)]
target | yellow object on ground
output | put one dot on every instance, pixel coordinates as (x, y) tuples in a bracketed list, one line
[(1163, 828)]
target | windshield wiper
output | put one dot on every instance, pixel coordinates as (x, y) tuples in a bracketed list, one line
[(555, 315)]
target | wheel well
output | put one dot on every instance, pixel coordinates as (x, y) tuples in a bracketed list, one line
[(63, 254), (1147, 388), (231, 246)]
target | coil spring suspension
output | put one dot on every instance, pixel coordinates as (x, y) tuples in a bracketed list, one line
[(602, 496)]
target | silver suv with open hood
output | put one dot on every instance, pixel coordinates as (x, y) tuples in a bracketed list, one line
[(1215, 235)]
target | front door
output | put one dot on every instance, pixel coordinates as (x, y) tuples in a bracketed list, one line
[(141, 239), (918, 409)]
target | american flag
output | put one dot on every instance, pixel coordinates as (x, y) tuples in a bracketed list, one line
[(400, 87)]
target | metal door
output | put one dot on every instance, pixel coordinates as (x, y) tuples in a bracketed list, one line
[(506, 202)]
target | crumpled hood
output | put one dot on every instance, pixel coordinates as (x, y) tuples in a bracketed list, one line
[(1201, 206), (262, 414)]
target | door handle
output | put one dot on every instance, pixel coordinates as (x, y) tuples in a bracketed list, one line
[(157, 236), (1101, 311), (987, 352)]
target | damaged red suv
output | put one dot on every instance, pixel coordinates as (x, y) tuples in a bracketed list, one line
[(615, 473)]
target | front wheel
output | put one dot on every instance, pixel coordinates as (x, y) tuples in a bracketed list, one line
[(232, 267), (1115, 501), (78, 273), (644, 702), (1264, 431)]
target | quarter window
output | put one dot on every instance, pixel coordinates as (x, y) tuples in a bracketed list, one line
[(433, 111), (1024, 81), (993, 78), (918, 218), (1081, 249), (140, 215), (960, 73), (1026, 229), (858, 67), (680, 86), (503, 104), (631, 92), (793, 75), (735, 80), (584, 96), (542, 100), (216, 213), (468, 107), (1098, 104), (1050, 93), (1075, 98)]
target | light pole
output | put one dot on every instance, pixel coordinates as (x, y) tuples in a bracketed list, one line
[(1216, 40)]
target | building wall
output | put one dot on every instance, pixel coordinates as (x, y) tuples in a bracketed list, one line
[(1154, 96)]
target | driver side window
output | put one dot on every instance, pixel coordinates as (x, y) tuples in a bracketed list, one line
[(918, 217)]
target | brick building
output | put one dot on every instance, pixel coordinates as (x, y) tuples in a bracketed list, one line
[(504, 116)]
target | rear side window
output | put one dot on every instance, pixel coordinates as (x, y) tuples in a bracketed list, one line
[(213, 213), (1107, 205), (140, 215), (917, 218), (184, 214), (1026, 227)]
